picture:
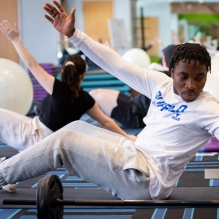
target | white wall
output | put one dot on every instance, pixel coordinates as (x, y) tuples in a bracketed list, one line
[(37, 34)]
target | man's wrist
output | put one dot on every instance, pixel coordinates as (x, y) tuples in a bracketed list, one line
[(71, 33)]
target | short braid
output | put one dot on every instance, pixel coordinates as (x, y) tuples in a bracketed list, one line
[(190, 51)]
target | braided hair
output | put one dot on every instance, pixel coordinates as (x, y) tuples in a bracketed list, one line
[(190, 51), (71, 73)]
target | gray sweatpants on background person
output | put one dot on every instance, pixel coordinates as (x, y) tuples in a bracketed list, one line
[(94, 154), (19, 131)]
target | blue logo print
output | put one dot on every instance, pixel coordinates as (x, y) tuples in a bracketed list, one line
[(160, 103)]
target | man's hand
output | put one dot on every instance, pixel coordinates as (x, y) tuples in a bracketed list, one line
[(59, 18)]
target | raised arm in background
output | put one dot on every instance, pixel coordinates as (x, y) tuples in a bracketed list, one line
[(11, 32)]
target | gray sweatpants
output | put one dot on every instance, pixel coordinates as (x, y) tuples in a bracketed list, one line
[(96, 155)]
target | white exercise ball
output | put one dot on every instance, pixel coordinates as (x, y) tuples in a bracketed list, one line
[(16, 88), (138, 57), (212, 79)]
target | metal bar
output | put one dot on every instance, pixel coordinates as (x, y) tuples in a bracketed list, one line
[(18, 202), (140, 203)]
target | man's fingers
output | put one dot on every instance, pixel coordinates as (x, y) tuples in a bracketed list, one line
[(51, 10), (61, 9), (72, 13), (50, 7), (49, 19), (52, 13)]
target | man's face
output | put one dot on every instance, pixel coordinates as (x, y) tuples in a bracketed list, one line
[(189, 79)]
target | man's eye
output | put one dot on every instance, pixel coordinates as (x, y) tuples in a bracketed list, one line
[(199, 78), (183, 77)]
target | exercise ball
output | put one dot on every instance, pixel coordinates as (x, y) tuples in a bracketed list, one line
[(16, 87), (212, 79), (138, 57)]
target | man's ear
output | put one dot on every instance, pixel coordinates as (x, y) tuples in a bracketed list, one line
[(172, 72)]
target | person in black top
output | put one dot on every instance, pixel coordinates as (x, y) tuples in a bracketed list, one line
[(128, 111), (65, 102)]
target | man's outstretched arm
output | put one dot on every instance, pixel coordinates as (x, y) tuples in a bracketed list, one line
[(100, 54)]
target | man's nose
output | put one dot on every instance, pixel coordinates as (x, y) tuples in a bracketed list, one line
[(190, 84)]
